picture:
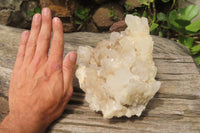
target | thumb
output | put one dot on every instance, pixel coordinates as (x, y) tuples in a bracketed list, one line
[(68, 69)]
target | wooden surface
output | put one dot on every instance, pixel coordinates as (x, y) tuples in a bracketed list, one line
[(175, 108)]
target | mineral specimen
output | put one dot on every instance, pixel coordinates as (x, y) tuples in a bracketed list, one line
[(118, 76)]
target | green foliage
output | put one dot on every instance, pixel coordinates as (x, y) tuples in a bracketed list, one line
[(144, 14), (165, 1), (161, 16), (35, 10), (153, 25), (127, 6), (176, 23), (146, 2), (194, 27), (187, 41), (180, 19), (82, 15), (194, 50), (113, 15), (197, 59), (135, 12)]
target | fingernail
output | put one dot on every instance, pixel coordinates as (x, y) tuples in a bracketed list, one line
[(73, 56), (25, 33), (36, 17), (45, 11), (56, 19)]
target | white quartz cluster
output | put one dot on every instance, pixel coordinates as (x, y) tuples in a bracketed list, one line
[(118, 76)]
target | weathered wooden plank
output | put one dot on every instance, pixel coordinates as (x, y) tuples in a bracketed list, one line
[(175, 108)]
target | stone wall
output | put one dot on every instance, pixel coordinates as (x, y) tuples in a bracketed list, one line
[(103, 13), (15, 12)]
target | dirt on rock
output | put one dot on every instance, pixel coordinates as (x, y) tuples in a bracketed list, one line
[(106, 15)]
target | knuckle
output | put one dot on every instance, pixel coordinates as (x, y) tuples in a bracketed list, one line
[(37, 25), (45, 37), (36, 60), (54, 66), (31, 43), (68, 67)]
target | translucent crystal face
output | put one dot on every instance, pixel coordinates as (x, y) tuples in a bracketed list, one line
[(118, 76)]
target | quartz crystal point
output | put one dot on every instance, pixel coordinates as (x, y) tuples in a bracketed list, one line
[(118, 76)]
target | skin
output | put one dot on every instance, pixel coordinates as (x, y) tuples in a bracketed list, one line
[(41, 82)]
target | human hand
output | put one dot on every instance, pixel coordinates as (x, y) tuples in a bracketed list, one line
[(41, 83)]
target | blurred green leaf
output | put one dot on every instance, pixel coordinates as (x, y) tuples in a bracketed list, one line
[(173, 24), (135, 14), (189, 12), (194, 27), (182, 22), (165, 1), (173, 4), (187, 41), (194, 50), (179, 19), (144, 2), (154, 18), (161, 16), (78, 22), (165, 27), (161, 33), (127, 5), (82, 13), (172, 17), (144, 14), (197, 59), (31, 13), (37, 10), (153, 26)]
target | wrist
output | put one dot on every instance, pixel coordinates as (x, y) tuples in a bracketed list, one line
[(8, 125), (11, 123)]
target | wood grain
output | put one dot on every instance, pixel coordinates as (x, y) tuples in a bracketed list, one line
[(175, 108)]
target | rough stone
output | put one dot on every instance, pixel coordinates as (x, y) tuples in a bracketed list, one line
[(101, 16), (118, 26), (132, 4), (68, 27), (91, 27), (72, 5), (30, 6), (118, 76), (58, 9), (15, 12), (7, 7), (21, 18), (4, 15)]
